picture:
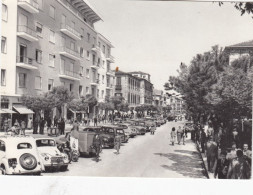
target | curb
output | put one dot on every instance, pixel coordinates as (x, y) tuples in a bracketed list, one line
[(203, 161)]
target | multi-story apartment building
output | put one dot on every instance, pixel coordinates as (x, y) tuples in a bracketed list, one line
[(158, 98), (51, 43), (128, 86), (174, 99), (146, 87), (238, 50)]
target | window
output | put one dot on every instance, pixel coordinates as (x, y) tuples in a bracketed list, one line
[(39, 28), (87, 90), (70, 87), (88, 37), (40, 2), (3, 45), (50, 84), (51, 60), (88, 55), (24, 146), (94, 40), (102, 93), (118, 80), (38, 84), (52, 12), (80, 90), (93, 59), (98, 61), (88, 73), (81, 70), (3, 77), (72, 46), (73, 25), (97, 93), (38, 56), (4, 12), (82, 31), (81, 52), (99, 44), (22, 80), (103, 78), (103, 49), (52, 36), (2, 146), (103, 64)]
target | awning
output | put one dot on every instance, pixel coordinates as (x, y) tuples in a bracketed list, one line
[(74, 111), (8, 111), (2, 112), (22, 109)]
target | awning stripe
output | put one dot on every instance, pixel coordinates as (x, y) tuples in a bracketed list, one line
[(23, 110)]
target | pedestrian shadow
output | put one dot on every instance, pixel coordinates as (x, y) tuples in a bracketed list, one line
[(189, 166)]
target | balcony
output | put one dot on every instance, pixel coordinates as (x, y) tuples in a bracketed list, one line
[(118, 87), (108, 86), (110, 58), (110, 72), (29, 5), (94, 66), (69, 53), (95, 48), (27, 33), (95, 82), (70, 75), (66, 29), (25, 62)]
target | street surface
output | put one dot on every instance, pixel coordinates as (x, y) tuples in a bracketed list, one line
[(143, 156)]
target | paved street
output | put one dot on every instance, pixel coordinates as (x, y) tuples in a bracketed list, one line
[(143, 156)]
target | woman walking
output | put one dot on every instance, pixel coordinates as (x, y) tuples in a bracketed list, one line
[(173, 136), (179, 135)]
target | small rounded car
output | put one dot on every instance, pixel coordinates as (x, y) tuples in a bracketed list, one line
[(19, 156), (50, 155)]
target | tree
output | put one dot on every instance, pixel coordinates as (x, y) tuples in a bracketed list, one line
[(243, 7), (117, 102), (106, 106)]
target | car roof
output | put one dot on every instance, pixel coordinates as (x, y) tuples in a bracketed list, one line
[(39, 136), (112, 126), (15, 137), (98, 127)]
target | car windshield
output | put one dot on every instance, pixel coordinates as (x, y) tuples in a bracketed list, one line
[(45, 142), (108, 130), (124, 126), (120, 131), (24, 146), (89, 130)]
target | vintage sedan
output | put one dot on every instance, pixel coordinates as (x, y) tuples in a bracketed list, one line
[(50, 155), (139, 126), (128, 128), (19, 155)]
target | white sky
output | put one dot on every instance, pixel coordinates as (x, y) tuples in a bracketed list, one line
[(155, 37)]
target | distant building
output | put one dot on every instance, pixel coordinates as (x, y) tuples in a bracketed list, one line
[(174, 99), (158, 97), (238, 50), (146, 87), (128, 86)]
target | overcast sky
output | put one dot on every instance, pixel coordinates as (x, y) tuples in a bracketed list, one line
[(155, 37)]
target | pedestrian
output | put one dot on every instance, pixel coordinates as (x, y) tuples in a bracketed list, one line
[(239, 167), (179, 135), (202, 141), (49, 124), (210, 130), (117, 142), (6, 124), (30, 123), (211, 154), (183, 135), (23, 126), (222, 165), (35, 126), (247, 153), (173, 136), (9, 123), (97, 144), (42, 125), (62, 129), (232, 154), (152, 130), (55, 121), (75, 125), (17, 126), (95, 121)]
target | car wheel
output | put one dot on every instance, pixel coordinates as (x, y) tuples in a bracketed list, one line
[(3, 170), (28, 161)]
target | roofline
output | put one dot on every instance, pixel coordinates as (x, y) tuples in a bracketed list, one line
[(105, 39)]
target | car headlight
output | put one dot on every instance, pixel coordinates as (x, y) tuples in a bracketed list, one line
[(45, 156)]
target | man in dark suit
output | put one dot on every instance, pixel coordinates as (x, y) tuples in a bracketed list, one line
[(221, 168), (42, 125)]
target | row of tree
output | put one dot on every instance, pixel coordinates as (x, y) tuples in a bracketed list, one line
[(214, 90), (61, 96)]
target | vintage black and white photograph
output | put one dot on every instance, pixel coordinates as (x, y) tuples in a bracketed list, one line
[(126, 88)]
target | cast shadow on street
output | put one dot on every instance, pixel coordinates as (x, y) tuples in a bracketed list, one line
[(189, 166)]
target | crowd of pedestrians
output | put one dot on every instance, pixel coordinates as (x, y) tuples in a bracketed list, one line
[(180, 134), (224, 162)]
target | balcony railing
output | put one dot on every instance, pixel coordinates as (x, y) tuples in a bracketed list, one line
[(25, 62), (27, 33), (118, 87), (73, 54), (95, 48), (109, 72), (109, 85), (110, 58), (70, 75), (29, 5), (70, 31), (95, 81)]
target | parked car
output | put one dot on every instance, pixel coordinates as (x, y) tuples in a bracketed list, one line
[(49, 153), (150, 122), (19, 155), (128, 128), (189, 126), (139, 125)]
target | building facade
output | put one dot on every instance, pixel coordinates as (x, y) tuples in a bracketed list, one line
[(158, 98), (52, 43), (128, 86), (238, 50), (174, 99)]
